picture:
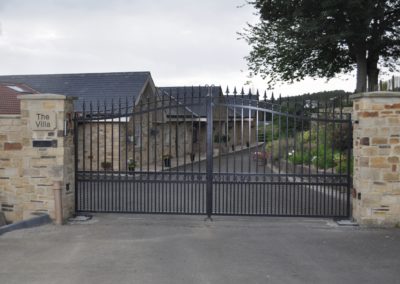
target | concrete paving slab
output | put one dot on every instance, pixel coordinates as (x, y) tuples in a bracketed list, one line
[(117, 248)]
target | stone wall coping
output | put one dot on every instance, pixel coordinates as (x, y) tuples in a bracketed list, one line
[(375, 95), (46, 97), (9, 116)]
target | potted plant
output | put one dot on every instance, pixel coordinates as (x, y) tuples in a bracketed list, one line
[(131, 165), (167, 160)]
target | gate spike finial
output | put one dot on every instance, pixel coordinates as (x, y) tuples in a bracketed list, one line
[(272, 97), (242, 92), (265, 96), (227, 90), (250, 94), (234, 92)]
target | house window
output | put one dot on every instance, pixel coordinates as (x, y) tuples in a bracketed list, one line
[(137, 140)]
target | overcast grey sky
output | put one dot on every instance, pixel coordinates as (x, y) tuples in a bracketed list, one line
[(180, 42)]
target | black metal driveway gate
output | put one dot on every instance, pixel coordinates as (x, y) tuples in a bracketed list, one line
[(198, 151)]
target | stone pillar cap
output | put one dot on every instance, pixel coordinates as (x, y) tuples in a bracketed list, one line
[(46, 97), (384, 94)]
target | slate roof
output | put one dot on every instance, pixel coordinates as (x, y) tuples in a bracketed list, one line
[(87, 87), (10, 104)]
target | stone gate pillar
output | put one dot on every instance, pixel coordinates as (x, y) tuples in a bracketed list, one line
[(376, 179), (47, 153)]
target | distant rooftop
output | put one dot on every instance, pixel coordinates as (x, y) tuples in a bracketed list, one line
[(89, 87), (8, 97)]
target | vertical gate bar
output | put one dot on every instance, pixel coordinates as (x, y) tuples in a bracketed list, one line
[(257, 133), (241, 131), (264, 151), (84, 184), (156, 176), (333, 156), (141, 138), (112, 137), (105, 156), (177, 195), (112, 156), (287, 187), (302, 158), (279, 157), (249, 129), (234, 133), (326, 125), (340, 156), (209, 152), (148, 184), (227, 177), (140, 135), (91, 157), (83, 136), (133, 142), (349, 141), (192, 155), (76, 143), (256, 200), (119, 155), (318, 161), (126, 155), (162, 153), (273, 188), (119, 138), (202, 194), (185, 203), (91, 139), (199, 128), (310, 192), (148, 154), (295, 186), (169, 184), (241, 152), (98, 153), (217, 189)]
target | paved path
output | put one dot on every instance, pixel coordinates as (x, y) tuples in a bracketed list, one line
[(185, 249)]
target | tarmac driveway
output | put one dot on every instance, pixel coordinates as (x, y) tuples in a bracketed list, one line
[(114, 248)]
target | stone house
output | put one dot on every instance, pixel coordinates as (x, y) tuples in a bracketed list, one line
[(188, 120)]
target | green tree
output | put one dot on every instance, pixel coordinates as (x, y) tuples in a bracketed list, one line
[(322, 38)]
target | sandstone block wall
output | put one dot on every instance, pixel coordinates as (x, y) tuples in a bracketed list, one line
[(376, 155), (27, 169)]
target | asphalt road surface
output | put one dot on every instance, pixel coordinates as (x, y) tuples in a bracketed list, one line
[(147, 249)]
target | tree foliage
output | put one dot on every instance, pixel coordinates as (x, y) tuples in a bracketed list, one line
[(322, 38)]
